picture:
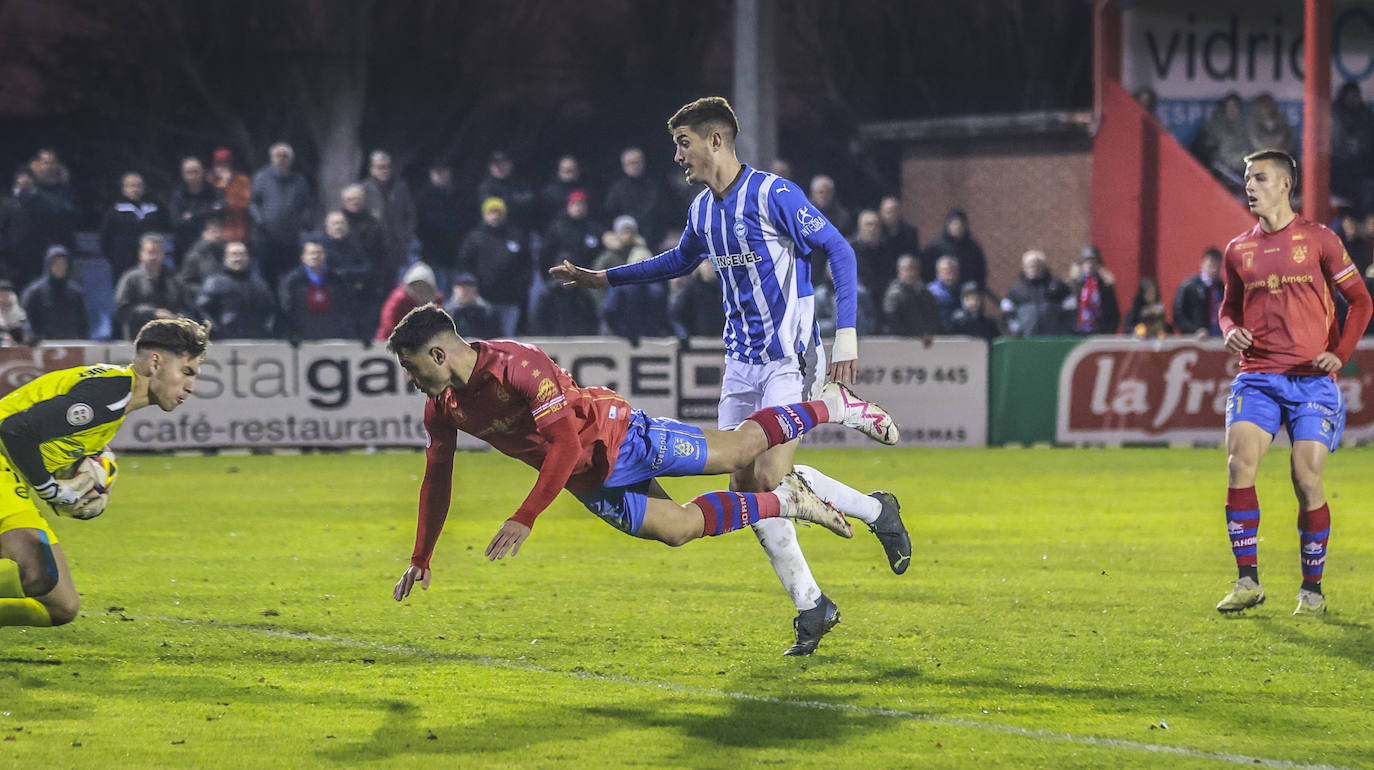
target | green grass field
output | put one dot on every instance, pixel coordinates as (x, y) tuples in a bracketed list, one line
[(1058, 613)]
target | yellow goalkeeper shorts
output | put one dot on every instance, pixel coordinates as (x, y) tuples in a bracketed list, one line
[(17, 509)]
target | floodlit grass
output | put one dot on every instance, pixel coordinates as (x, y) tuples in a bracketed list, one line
[(1057, 613)]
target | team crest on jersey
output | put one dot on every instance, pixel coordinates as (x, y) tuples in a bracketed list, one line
[(683, 448), (1345, 257), (741, 230), (547, 389), (1299, 253), (80, 414), (809, 221)]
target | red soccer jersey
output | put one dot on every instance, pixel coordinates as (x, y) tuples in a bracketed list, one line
[(515, 399), (516, 390), (1279, 286)]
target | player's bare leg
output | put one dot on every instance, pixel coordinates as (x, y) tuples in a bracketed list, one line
[(36, 586), (1314, 522), (1246, 444)]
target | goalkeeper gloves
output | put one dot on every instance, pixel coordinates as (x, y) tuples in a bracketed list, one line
[(58, 494)]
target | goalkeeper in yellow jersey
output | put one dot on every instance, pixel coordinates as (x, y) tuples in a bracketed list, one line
[(55, 420)]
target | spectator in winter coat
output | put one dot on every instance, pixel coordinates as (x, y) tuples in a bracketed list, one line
[(956, 241), (129, 219), (194, 201), (1092, 296), (498, 255), (971, 319), (316, 304), (236, 190), (502, 182), (282, 207), (147, 291), (387, 196), (1198, 301), (945, 288), (55, 304), (236, 300), (1035, 304), (635, 193), (202, 260), (908, 306), (439, 219), (472, 315), (417, 287)]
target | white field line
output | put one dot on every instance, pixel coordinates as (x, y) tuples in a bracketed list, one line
[(708, 693)]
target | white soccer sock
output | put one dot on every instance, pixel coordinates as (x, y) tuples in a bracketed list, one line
[(849, 501), (779, 540)]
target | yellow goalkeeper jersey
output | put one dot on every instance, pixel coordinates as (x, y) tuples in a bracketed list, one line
[(63, 416)]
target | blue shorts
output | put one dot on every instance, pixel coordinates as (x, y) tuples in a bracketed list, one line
[(1311, 406), (653, 447)]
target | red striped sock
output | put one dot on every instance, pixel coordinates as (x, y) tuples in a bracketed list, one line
[(781, 424), (728, 511)]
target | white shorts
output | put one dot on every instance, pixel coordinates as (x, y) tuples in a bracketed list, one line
[(747, 388)]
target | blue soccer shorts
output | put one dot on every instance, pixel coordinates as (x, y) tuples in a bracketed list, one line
[(1311, 406), (653, 447)]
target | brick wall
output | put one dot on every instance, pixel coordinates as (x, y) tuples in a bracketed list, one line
[(1019, 194)]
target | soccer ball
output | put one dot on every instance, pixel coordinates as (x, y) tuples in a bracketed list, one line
[(92, 477)]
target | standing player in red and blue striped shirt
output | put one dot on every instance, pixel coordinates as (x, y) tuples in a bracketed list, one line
[(762, 235), (1279, 314)]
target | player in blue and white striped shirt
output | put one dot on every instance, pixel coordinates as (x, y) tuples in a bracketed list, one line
[(761, 233)]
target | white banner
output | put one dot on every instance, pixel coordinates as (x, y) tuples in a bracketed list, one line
[(342, 394)]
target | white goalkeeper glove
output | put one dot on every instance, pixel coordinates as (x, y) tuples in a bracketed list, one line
[(58, 494)]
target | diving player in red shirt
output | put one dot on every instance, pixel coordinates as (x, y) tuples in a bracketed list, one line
[(592, 443), (1279, 314)]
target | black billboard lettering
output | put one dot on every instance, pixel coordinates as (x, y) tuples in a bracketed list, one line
[(377, 376), (325, 385), (649, 376), (594, 370)]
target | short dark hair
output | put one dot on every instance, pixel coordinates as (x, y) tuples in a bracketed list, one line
[(418, 327), (1212, 252), (178, 336), (1286, 161), (712, 111)]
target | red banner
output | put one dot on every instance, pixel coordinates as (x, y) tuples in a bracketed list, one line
[(1115, 391), (19, 365)]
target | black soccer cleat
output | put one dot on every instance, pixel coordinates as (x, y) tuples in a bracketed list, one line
[(891, 532), (812, 624)]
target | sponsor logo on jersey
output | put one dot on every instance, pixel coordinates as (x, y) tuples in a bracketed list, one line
[(1247, 245), (1312, 548), (1248, 258), (1275, 282), (613, 412), (735, 260), (80, 414), (810, 222), (1298, 236), (1299, 254), (1244, 541), (1234, 526)]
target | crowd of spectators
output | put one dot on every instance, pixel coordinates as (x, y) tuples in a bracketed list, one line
[(262, 258)]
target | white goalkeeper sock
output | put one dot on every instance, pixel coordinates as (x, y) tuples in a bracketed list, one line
[(779, 540), (847, 500)]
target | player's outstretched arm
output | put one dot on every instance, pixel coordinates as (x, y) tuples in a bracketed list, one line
[(569, 275), (407, 581)]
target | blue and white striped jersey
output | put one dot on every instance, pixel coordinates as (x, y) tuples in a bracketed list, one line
[(760, 239)]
